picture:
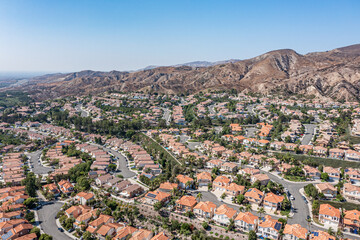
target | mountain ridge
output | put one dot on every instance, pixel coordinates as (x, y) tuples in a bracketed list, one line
[(329, 74)]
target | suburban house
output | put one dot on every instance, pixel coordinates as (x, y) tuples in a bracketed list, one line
[(262, 178), (269, 228), (351, 192), (246, 221), (329, 214), (205, 209), (221, 183), (186, 203), (223, 214), (272, 201), (334, 173), (351, 221), (294, 232), (311, 172), (157, 196), (234, 189), (168, 186), (327, 189), (320, 235), (84, 197), (184, 180), (254, 196), (203, 179), (65, 186)]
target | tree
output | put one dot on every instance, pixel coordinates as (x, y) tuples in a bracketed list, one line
[(324, 176), (252, 235), (30, 184), (36, 230), (240, 198), (248, 207), (223, 196), (31, 202), (158, 206), (205, 225), (199, 196), (261, 211), (45, 236)]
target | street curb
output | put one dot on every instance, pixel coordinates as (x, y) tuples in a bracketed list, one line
[(66, 232)]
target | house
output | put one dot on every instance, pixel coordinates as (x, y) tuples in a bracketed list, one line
[(97, 223), (351, 221), (221, 183), (185, 182), (336, 153), (51, 187), (234, 189), (205, 209), (229, 167), (321, 235), (246, 221), (125, 233), (351, 192), (84, 218), (329, 214), (312, 172), (351, 155), (249, 171), (215, 163), (103, 179), (354, 175), (168, 186), (83, 197), (203, 179), (65, 186), (223, 214), (272, 201), (269, 228), (132, 191), (186, 203), (294, 232), (327, 189), (262, 178), (334, 173), (75, 211), (141, 234), (254, 196), (157, 196), (160, 236)]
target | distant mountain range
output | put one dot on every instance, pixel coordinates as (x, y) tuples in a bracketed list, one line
[(331, 74), (192, 64)]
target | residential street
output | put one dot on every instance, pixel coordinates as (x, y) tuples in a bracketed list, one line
[(47, 220), (37, 167), (167, 115), (83, 112), (309, 134), (122, 163)]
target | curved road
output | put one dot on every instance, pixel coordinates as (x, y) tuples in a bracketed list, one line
[(37, 167), (47, 220)]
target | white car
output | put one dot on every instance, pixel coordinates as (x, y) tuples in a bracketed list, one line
[(292, 198)]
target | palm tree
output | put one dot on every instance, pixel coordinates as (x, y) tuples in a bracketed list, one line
[(248, 207), (199, 196), (241, 208), (339, 233), (330, 231), (261, 211)]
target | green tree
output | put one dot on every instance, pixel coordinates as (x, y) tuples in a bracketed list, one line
[(45, 236), (36, 230), (252, 235), (30, 184)]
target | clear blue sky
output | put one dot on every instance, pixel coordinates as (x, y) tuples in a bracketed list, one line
[(73, 35)]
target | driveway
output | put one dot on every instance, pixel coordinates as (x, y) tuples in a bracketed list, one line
[(47, 220), (37, 167), (309, 134)]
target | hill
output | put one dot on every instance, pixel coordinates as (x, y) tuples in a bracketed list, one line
[(334, 74)]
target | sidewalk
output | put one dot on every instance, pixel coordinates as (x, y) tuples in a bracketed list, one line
[(66, 232)]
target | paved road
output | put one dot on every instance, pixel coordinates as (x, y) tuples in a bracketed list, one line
[(167, 115), (47, 220), (250, 132), (83, 113), (37, 167), (212, 109), (309, 134), (122, 163)]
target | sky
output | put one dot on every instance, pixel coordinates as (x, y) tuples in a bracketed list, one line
[(105, 35)]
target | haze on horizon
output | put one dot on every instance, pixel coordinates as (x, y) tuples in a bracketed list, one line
[(65, 36)]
